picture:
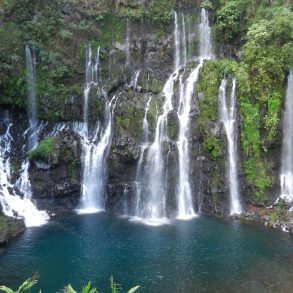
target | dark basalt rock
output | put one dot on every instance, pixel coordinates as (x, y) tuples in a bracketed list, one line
[(9, 229), (57, 186)]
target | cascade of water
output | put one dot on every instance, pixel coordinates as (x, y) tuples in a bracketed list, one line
[(286, 177), (153, 207), (12, 204), (144, 146), (184, 49), (24, 207), (184, 37), (177, 42), (95, 149), (32, 97), (125, 202), (95, 144), (134, 79), (205, 34), (184, 192), (184, 195), (228, 118), (23, 183), (91, 79), (127, 43)]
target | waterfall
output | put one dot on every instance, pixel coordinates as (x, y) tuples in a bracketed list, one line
[(125, 201), (228, 117), (95, 143), (12, 204), (127, 43), (180, 42), (30, 59), (134, 79), (152, 206), (184, 194), (91, 79), (23, 182), (139, 176), (177, 42), (184, 50), (184, 190), (205, 34), (286, 177)]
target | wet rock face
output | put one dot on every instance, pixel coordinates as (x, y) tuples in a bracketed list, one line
[(56, 186)]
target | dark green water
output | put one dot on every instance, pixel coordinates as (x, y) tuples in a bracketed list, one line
[(202, 255)]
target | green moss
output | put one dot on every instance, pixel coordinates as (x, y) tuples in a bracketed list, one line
[(161, 12), (126, 120), (153, 113), (74, 170), (154, 85), (172, 131), (44, 150), (123, 122), (213, 146), (209, 85)]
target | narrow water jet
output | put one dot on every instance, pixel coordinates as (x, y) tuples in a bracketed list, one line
[(31, 73), (134, 80), (286, 177), (184, 44), (127, 43), (125, 202), (228, 117), (176, 42), (139, 175)]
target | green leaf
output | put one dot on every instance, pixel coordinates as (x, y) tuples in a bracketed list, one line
[(113, 285), (27, 284), (134, 289), (86, 288), (6, 289), (69, 289)]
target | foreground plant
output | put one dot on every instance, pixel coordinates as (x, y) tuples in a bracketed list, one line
[(25, 286), (86, 289)]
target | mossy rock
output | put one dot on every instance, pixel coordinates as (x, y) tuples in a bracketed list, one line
[(47, 151)]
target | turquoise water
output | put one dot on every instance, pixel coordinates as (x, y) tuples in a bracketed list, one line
[(202, 255)]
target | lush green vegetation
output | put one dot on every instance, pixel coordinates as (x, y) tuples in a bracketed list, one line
[(209, 85), (29, 283), (44, 150), (60, 39), (261, 35), (161, 12)]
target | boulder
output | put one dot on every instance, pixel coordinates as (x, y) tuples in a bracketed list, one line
[(9, 229)]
